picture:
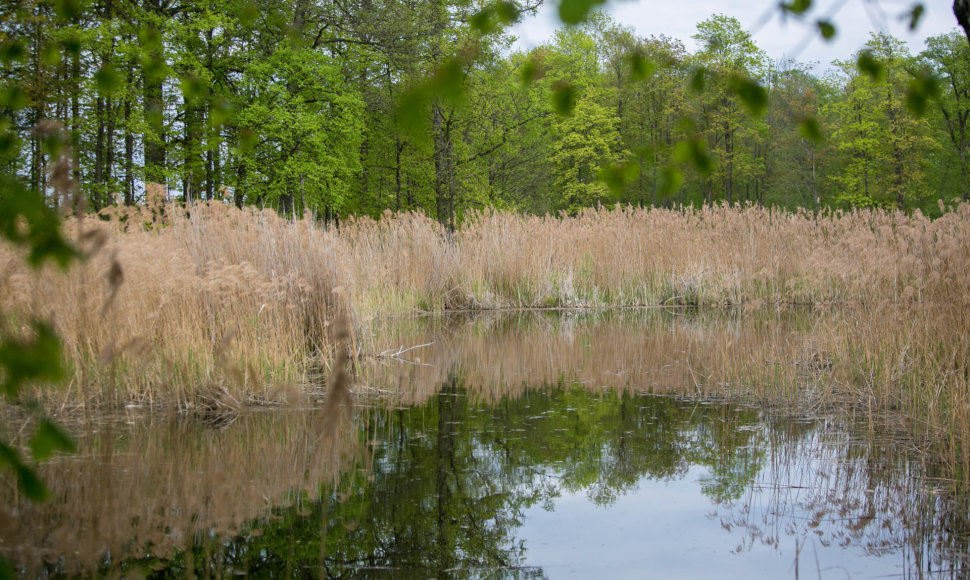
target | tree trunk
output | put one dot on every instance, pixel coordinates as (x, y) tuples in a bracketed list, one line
[(443, 166)]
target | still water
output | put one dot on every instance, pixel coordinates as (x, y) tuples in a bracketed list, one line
[(543, 460)]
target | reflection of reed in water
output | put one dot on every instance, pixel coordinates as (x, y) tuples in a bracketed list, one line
[(845, 487), (651, 350), (158, 482)]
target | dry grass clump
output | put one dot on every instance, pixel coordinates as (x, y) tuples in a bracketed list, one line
[(213, 299)]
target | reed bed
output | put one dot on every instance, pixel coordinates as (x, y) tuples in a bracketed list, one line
[(210, 305)]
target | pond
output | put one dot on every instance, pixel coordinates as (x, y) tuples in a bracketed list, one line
[(555, 445)]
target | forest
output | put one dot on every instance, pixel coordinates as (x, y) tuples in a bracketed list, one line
[(354, 108)]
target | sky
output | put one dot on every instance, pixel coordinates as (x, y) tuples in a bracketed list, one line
[(854, 19)]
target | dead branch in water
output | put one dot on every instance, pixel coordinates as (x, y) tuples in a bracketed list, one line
[(396, 355)]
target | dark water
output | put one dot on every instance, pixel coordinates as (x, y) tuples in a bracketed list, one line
[(557, 479)]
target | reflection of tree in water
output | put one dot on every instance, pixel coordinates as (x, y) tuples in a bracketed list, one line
[(444, 487), (447, 482)]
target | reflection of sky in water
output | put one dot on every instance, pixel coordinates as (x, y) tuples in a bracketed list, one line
[(665, 529)]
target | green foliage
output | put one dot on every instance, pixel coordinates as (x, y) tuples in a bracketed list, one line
[(947, 57), (870, 65), (585, 151), (884, 146), (921, 89), (27, 219), (915, 15), (306, 125), (310, 106), (810, 129)]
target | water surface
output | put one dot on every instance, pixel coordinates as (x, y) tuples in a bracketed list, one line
[(528, 446)]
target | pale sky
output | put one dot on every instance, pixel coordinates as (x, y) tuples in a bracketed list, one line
[(855, 19)]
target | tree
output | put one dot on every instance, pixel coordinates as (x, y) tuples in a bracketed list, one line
[(794, 162), (588, 143), (733, 136), (949, 57), (308, 123), (884, 144)]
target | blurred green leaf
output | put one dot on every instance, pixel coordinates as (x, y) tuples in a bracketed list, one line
[(576, 11), (670, 180), (12, 50), (14, 97), (826, 29), (72, 43), (107, 80), (42, 235), (247, 140), (484, 21), (33, 487), (915, 15), (796, 6), (6, 570), (922, 88), (753, 95), (448, 82), (508, 12), (194, 87), (68, 10), (219, 113), (563, 98), (871, 66), (641, 67), (694, 152), (50, 438), (698, 80), (617, 176), (529, 71), (50, 54), (27, 480), (149, 38), (9, 142), (411, 111), (35, 359), (154, 67), (810, 129), (494, 16)]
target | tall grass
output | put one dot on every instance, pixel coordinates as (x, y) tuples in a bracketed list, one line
[(243, 301)]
